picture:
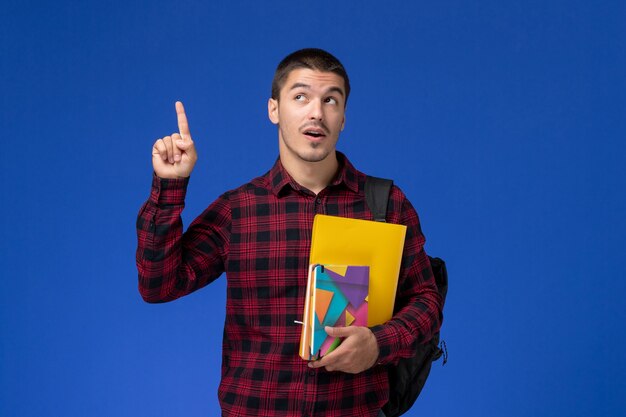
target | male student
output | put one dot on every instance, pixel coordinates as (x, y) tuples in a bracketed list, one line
[(260, 235)]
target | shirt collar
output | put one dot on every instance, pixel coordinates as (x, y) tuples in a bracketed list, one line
[(347, 175)]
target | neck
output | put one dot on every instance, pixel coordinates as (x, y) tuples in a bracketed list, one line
[(314, 176)]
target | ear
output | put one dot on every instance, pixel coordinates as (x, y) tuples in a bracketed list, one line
[(343, 122), (272, 110)]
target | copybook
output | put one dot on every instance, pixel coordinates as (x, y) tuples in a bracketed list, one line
[(349, 250)]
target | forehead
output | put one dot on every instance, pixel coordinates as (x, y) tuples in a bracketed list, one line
[(320, 81)]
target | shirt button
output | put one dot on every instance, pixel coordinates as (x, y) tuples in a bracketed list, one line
[(311, 372), (318, 201)]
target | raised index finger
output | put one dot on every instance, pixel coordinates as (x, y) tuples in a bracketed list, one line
[(183, 126)]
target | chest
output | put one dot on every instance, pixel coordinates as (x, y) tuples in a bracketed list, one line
[(271, 237)]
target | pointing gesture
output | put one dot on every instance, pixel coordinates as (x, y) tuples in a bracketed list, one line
[(175, 156)]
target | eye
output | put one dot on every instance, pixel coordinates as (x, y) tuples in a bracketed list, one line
[(330, 100), (299, 97)]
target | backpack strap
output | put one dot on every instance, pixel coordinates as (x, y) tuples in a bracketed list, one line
[(407, 377), (377, 195)]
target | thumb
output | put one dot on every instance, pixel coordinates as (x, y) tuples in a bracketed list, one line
[(339, 331)]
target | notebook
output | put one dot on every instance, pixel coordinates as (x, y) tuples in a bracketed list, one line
[(337, 295), (344, 242)]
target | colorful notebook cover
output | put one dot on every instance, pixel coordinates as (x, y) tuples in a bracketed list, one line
[(345, 241), (337, 297)]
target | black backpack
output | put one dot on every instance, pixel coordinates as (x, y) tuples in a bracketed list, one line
[(407, 379)]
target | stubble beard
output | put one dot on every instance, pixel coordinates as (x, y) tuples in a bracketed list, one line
[(317, 154)]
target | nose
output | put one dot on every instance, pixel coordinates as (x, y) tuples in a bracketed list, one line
[(315, 111)]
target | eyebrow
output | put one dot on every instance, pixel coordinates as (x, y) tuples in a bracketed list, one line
[(308, 87)]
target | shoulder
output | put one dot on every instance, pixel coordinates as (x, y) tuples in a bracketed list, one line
[(399, 208), (397, 197), (255, 188)]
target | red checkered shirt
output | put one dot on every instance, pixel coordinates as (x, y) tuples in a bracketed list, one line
[(260, 235)]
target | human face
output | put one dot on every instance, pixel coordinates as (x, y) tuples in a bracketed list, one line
[(310, 114)]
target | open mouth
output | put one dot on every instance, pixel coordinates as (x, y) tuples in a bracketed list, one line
[(314, 133)]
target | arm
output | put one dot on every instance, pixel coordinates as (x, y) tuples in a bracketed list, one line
[(172, 264), (418, 309)]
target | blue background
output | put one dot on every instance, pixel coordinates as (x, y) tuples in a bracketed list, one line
[(503, 121)]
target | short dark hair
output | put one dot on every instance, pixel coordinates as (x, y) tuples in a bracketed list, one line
[(310, 58)]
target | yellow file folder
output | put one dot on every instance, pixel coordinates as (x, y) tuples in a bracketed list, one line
[(345, 241)]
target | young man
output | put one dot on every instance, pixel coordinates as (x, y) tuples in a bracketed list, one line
[(260, 235)]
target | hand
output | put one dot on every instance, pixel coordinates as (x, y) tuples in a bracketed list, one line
[(356, 353), (175, 156)]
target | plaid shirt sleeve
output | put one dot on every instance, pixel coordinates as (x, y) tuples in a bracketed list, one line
[(418, 310), (171, 264)]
